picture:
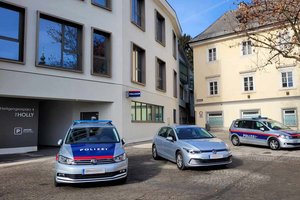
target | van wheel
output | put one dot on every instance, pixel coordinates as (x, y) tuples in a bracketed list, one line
[(56, 184), (274, 144), (235, 140), (179, 161)]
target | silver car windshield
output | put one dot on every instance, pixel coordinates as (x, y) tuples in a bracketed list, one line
[(275, 125), (192, 133), (93, 135)]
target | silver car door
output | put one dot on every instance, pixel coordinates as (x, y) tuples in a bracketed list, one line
[(160, 141), (170, 146)]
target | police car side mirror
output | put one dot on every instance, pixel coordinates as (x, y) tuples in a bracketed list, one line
[(262, 128), (123, 142), (59, 142)]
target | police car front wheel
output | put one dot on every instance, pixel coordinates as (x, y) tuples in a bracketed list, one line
[(274, 144), (235, 140)]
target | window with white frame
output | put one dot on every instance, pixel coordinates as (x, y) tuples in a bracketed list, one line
[(247, 47), (289, 117), (284, 39), (215, 119), (213, 87), (248, 83), (287, 79), (248, 114), (212, 54)]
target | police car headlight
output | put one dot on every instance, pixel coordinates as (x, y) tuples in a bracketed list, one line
[(65, 160), (120, 158), (285, 137), (192, 151)]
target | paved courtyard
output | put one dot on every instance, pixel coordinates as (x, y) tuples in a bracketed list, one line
[(256, 173)]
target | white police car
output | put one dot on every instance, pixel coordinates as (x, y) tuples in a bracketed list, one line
[(263, 131), (92, 151)]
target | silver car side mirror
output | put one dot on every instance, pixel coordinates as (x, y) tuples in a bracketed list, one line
[(123, 142), (59, 142), (170, 138)]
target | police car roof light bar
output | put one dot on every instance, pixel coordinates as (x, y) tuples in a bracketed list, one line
[(92, 121)]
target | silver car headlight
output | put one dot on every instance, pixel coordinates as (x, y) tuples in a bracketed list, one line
[(192, 151), (120, 158), (65, 160), (285, 137)]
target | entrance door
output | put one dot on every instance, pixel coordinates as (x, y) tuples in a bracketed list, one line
[(89, 115)]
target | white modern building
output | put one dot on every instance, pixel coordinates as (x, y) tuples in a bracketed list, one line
[(73, 59)]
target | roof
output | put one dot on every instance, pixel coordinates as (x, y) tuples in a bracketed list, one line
[(225, 25), (91, 123)]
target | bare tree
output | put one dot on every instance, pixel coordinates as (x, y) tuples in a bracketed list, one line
[(272, 25)]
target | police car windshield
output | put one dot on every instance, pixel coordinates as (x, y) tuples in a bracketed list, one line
[(93, 135), (192, 133), (275, 125)]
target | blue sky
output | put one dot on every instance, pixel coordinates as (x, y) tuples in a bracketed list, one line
[(196, 15)]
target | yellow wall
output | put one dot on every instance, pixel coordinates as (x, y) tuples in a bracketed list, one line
[(268, 96)]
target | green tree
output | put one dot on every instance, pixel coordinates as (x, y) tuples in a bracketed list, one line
[(184, 45)]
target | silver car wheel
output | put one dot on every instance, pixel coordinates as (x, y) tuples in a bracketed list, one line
[(154, 152), (274, 144), (179, 161)]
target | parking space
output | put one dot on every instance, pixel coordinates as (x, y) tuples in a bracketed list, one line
[(256, 173)]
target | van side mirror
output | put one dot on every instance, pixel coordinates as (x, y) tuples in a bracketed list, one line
[(59, 142)]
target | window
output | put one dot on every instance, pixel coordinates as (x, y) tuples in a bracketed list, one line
[(12, 21), (248, 84), (163, 132), (215, 119), (247, 47), (174, 46), (161, 75), (102, 3), (59, 44), (213, 88), (101, 53), (181, 91), (143, 112), (174, 116), (289, 117), (287, 79), (250, 114), (175, 84), (138, 13), (212, 54), (138, 65), (284, 40), (160, 28)]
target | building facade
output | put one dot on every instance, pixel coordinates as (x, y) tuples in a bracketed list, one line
[(230, 84), (67, 60), (186, 90)]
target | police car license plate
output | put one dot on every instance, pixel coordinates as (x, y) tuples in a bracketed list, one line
[(215, 156), (93, 171)]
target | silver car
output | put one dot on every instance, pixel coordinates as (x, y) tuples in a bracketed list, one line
[(92, 151), (263, 131), (190, 146)]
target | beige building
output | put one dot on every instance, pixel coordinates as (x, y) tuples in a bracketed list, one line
[(229, 83), (68, 60)]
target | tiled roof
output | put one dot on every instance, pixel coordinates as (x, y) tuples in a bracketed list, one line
[(226, 24)]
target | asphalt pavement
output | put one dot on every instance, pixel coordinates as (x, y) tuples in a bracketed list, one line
[(256, 173)]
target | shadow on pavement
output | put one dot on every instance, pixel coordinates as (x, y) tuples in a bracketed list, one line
[(43, 151)]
